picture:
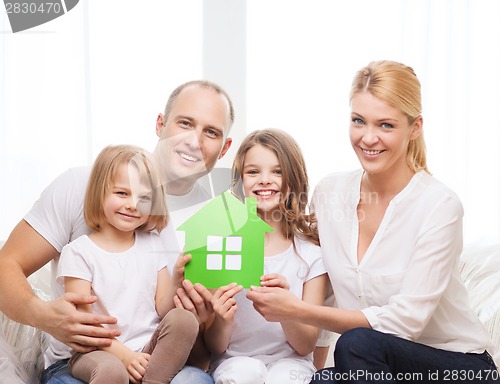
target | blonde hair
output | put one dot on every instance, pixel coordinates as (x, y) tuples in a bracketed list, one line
[(104, 171), (295, 186), (397, 85)]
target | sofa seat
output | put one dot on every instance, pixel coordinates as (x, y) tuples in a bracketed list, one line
[(21, 357)]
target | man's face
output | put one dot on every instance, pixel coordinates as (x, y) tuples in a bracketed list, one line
[(193, 135)]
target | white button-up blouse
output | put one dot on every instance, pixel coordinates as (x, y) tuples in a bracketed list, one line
[(408, 282)]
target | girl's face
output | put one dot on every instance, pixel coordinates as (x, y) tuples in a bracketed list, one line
[(127, 203), (380, 134), (262, 177)]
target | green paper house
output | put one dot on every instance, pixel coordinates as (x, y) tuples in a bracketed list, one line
[(226, 241)]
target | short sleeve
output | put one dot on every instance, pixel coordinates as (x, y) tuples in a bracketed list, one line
[(58, 214), (312, 255), (72, 263)]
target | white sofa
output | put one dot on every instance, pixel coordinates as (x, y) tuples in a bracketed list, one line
[(480, 270), (20, 346)]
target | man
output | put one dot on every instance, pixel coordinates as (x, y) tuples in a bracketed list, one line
[(193, 135)]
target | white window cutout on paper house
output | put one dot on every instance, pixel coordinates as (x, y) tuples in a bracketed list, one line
[(215, 260)]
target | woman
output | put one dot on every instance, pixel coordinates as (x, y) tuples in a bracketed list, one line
[(391, 238)]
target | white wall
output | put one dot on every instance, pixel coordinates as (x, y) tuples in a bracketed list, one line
[(102, 73), (98, 75), (302, 57)]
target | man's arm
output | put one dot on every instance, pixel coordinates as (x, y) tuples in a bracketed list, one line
[(24, 253)]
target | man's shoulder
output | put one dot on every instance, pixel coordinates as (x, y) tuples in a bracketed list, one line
[(75, 175), (196, 196)]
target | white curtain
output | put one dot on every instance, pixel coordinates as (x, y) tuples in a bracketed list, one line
[(98, 75), (101, 73), (303, 55)]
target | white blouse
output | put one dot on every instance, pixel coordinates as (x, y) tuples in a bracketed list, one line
[(408, 282)]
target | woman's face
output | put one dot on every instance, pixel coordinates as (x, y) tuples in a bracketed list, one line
[(380, 134)]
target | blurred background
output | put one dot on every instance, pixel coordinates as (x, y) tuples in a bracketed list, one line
[(101, 73)]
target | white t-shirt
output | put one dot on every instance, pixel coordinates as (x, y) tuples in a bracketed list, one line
[(58, 216), (408, 282), (124, 282), (254, 336)]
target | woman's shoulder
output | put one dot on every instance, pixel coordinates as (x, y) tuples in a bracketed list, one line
[(436, 189), (428, 195)]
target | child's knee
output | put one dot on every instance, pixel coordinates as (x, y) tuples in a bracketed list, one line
[(241, 370), (110, 372), (181, 322)]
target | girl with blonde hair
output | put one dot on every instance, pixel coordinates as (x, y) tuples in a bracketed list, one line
[(122, 262)]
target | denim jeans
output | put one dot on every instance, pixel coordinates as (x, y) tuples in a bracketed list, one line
[(363, 355), (59, 373), (192, 375)]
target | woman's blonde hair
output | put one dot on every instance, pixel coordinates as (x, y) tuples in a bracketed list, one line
[(398, 86), (103, 173), (295, 187)]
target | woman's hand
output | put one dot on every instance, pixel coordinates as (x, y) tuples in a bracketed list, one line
[(274, 304)]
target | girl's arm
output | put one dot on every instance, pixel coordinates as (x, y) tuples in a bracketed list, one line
[(135, 362), (220, 325), (164, 299), (167, 286)]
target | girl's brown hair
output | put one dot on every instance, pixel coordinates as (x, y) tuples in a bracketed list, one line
[(294, 200), (104, 171), (397, 85)]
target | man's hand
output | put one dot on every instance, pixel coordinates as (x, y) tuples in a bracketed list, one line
[(196, 299), (81, 331)]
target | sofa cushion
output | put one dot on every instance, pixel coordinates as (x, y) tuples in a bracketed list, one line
[(480, 270)]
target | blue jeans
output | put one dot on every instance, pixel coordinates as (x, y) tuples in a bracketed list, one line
[(192, 375), (363, 355), (59, 373)]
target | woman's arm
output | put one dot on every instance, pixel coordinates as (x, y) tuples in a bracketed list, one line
[(281, 305), (303, 337)]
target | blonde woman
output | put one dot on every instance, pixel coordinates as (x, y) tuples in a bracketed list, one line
[(391, 237)]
